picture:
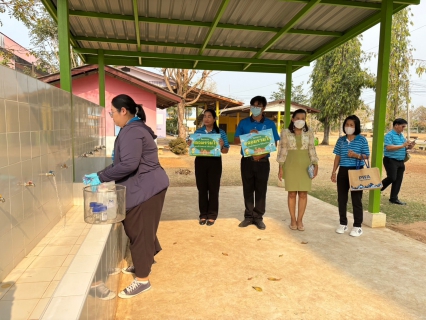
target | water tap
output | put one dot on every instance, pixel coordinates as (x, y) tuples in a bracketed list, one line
[(29, 184), (64, 166), (2, 199), (84, 155)]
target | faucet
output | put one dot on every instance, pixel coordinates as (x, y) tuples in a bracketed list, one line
[(50, 173), (84, 155), (2, 199), (64, 166), (29, 184)]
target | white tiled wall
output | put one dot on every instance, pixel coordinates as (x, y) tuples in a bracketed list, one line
[(36, 122)]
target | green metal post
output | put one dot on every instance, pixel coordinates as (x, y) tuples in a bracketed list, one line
[(64, 45), (65, 63), (101, 73), (288, 94), (381, 96)]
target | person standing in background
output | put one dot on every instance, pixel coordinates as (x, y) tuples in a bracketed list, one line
[(295, 154), (208, 171), (351, 150), (394, 156), (255, 169)]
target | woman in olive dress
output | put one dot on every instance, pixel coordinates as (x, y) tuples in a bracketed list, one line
[(295, 154)]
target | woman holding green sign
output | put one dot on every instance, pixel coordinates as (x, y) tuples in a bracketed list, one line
[(295, 155), (208, 168)]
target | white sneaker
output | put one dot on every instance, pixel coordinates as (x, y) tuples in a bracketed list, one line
[(342, 229), (356, 232)]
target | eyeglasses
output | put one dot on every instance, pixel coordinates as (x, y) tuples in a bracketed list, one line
[(110, 113)]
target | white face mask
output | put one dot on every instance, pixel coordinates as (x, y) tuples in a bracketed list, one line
[(349, 130), (299, 124)]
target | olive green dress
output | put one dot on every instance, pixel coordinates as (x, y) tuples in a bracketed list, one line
[(296, 165)]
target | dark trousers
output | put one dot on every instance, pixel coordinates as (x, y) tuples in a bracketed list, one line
[(141, 226), (255, 177), (394, 175), (208, 171), (342, 198)]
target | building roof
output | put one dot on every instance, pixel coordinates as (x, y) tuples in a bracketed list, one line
[(273, 106), (274, 36), (165, 98)]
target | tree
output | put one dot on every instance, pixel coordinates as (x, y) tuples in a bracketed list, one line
[(185, 82), (398, 102), (43, 33), (298, 95), (336, 83), (419, 118)]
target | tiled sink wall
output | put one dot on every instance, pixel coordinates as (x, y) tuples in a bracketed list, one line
[(36, 122)]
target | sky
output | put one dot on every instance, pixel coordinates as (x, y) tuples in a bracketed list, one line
[(243, 86)]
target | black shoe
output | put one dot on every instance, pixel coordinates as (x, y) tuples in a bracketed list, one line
[(210, 223), (259, 224), (398, 202), (203, 222), (245, 223)]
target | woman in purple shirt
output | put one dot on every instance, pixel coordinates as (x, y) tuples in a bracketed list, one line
[(136, 166)]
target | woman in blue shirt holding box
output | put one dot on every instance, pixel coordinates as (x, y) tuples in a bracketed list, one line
[(208, 171), (351, 150)]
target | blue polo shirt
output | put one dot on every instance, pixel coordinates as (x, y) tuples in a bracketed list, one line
[(248, 124), (392, 138), (358, 145), (223, 135)]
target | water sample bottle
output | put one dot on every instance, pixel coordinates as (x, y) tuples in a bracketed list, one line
[(104, 215), (97, 212)]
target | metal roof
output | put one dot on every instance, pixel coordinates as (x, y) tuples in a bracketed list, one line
[(229, 35)]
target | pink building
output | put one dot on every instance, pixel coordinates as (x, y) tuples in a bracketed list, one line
[(85, 85), (17, 56)]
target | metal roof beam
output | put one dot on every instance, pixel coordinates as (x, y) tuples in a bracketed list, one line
[(358, 4), (297, 17), (136, 18), (373, 20), (191, 57), (189, 23), (213, 26), (202, 65), (188, 45)]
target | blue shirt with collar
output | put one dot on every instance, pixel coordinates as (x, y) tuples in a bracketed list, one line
[(392, 138), (358, 145), (248, 124), (222, 133)]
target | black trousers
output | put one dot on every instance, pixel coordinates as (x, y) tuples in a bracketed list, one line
[(208, 171), (255, 177), (140, 225), (394, 175), (342, 198)]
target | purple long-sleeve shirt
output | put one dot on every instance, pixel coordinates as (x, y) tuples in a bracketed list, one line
[(136, 164)]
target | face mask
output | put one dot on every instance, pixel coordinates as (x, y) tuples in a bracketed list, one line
[(299, 124), (256, 111), (349, 130)]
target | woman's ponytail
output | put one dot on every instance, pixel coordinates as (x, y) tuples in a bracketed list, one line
[(140, 112)]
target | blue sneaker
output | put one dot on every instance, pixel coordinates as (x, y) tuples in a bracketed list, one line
[(135, 288)]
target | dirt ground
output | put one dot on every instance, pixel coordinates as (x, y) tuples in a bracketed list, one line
[(412, 190)]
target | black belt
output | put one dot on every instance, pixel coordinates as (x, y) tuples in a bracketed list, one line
[(394, 159), (264, 159)]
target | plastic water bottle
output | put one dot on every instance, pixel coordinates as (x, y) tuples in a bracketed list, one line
[(104, 215), (97, 211)]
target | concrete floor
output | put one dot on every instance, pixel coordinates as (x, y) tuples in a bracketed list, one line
[(209, 272)]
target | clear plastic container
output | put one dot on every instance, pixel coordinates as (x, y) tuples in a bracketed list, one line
[(105, 205)]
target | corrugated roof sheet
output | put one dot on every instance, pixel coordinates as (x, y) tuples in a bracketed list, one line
[(180, 28)]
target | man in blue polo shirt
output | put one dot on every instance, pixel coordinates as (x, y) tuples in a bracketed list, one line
[(394, 155), (255, 169)]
